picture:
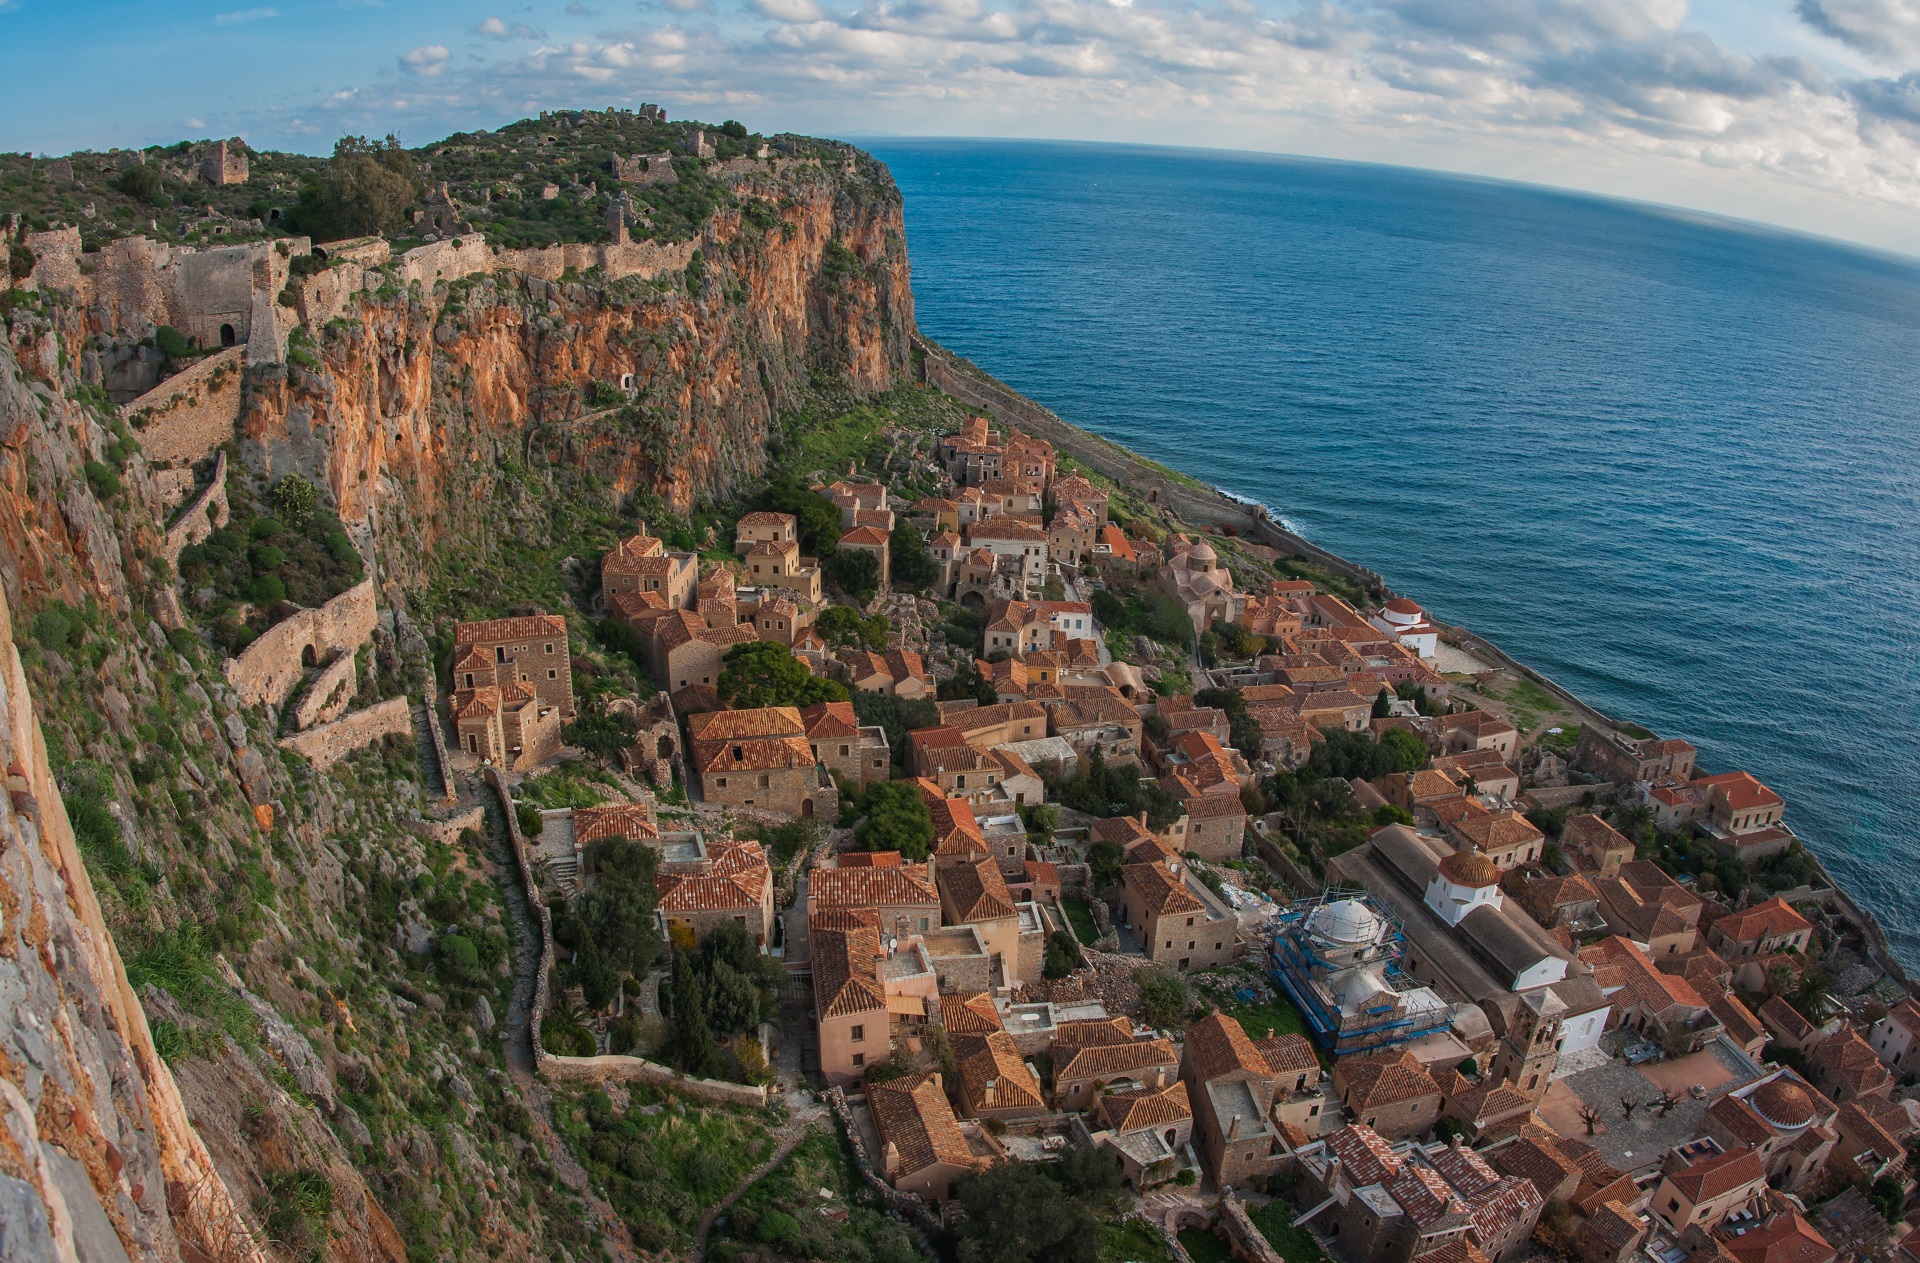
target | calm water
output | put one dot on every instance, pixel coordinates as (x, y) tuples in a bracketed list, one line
[(1668, 460)]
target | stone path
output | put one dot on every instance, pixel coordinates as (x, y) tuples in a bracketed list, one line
[(514, 1032)]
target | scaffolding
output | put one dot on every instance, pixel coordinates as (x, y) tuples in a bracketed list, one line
[(1293, 960)]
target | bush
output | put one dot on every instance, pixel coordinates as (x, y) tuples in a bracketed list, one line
[(294, 499), (854, 571), (142, 183), (1063, 955), (268, 588), (54, 628), (171, 343), (528, 818), (1163, 994), (897, 820), (461, 956), (101, 478)]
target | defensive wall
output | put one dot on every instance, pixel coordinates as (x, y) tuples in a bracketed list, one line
[(269, 669), (602, 1069), (201, 515), (191, 414), (328, 697), (327, 744)]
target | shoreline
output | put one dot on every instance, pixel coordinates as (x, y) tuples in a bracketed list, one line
[(1207, 506)]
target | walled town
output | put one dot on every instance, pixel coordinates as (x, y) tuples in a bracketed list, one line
[(934, 827)]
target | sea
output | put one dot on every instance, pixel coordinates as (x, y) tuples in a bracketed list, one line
[(1669, 460)]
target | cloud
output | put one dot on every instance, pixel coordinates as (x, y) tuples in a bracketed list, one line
[(787, 10), (578, 10), (1887, 29), (494, 28), (244, 15), (194, 124), (425, 61)]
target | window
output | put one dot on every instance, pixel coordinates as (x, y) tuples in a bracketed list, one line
[(549, 646), (1189, 922), (1673, 1204), (858, 1034), (499, 653), (469, 679), (721, 782), (859, 1059), (552, 674)]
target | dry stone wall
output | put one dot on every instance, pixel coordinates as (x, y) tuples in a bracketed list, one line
[(198, 520), (192, 414), (329, 696), (327, 744), (268, 669)]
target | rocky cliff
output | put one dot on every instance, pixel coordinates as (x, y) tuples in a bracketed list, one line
[(225, 1031)]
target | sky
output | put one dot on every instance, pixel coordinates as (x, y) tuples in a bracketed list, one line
[(1801, 113)]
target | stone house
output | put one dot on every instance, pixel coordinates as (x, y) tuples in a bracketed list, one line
[(773, 615), (1845, 1068), (1506, 837), (1893, 1036), (974, 893), (1701, 1185), (1666, 1008), (1147, 1129), (899, 672), (842, 746), (900, 894), (1477, 730), (780, 565), (869, 539), (1593, 844), (1131, 1065), (529, 650), (690, 652), (1783, 1120), (1390, 1093), (1216, 826), (922, 1149), (1644, 903), (762, 527), (640, 563), (850, 1006), (1231, 1088), (1761, 930), (760, 758), (733, 883), (1178, 920), (995, 1081), (506, 726)]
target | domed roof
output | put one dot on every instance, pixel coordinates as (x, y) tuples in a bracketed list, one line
[(1471, 868), (1401, 605), (1785, 1105), (1345, 921), (1203, 551)]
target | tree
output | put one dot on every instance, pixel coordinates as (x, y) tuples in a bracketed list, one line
[(294, 499), (815, 517), (1016, 1214), (1104, 861), (897, 820), (967, 684), (895, 715), (365, 188), (1063, 955), (617, 909), (598, 983), (1406, 746), (842, 627), (1163, 994), (690, 1044), (1090, 1173), (854, 571), (910, 564), (765, 673), (1100, 790), (601, 732), (729, 999), (1383, 703), (142, 183)]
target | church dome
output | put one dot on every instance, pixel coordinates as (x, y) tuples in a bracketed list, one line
[(1785, 1105), (1345, 921), (1203, 551), (1469, 868)]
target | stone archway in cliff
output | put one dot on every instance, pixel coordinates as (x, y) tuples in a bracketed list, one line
[(227, 336)]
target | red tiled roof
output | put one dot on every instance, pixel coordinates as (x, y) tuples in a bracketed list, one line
[(615, 820), (1217, 1045), (1146, 1107), (913, 1116), (1720, 1174), (1096, 1061), (525, 627)]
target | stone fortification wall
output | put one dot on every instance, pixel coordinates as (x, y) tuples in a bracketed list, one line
[(1248, 1242), (446, 830), (327, 744), (198, 520), (329, 696), (191, 414), (56, 260), (139, 283), (268, 669)]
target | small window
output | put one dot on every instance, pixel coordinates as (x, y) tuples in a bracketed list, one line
[(552, 674), (858, 1034), (859, 1059), (549, 646)]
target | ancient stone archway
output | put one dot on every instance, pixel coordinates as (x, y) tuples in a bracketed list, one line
[(665, 748), (806, 807), (227, 335), (308, 658)]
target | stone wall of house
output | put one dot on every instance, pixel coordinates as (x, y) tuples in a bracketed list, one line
[(191, 414), (56, 259), (201, 515), (268, 669), (329, 695), (327, 744)]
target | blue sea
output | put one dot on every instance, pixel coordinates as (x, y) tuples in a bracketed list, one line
[(1669, 460)]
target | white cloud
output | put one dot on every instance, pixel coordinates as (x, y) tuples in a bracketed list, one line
[(1619, 96), (194, 124), (1886, 29), (494, 28), (426, 61), (244, 15)]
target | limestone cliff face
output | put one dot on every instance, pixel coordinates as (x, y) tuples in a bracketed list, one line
[(417, 389)]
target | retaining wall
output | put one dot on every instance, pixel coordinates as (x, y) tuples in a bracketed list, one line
[(1248, 1242), (327, 744), (201, 516), (330, 695), (191, 414), (447, 830), (268, 669)]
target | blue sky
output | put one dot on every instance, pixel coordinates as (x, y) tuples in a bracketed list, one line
[(1804, 113)]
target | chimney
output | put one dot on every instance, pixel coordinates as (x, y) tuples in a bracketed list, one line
[(1336, 1176), (890, 1160), (1269, 1032)]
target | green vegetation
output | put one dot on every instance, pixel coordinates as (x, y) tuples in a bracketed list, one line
[(1131, 609), (897, 715), (896, 819), (854, 571), (1103, 791), (1205, 1247), (1080, 917), (1063, 955), (1274, 1219), (609, 927), (765, 673), (843, 627), (569, 784), (782, 1211), (1163, 994), (663, 1160), (1022, 1212)]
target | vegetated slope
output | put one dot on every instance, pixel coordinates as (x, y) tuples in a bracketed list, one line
[(344, 1078)]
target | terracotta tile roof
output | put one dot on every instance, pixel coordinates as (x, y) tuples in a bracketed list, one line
[(1539, 1159), (1099, 1061), (1086, 1034), (1485, 1101), (864, 537), (1499, 830), (615, 820), (697, 892), (978, 891), (1773, 919), (1366, 1157), (1217, 1045), (1785, 1238), (1657, 992), (843, 971), (1122, 830), (1456, 1250), (1849, 1061), (1906, 1014), (970, 1015), (762, 517), (1161, 893), (994, 1059), (637, 605), (472, 659), (738, 725), (1785, 1020), (829, 719), (1743, 1028), (752, 754), (1041, 873), (913, 1116), (1496, 1210), (955, 831), (904, 885), (1287, 1054), (1465, 1170), (1614, 1227), (1424, 1196), (1372, 1082), (476, 703), (1720, 1174), (1741, 790), (1146, 1107), (1214, 806), (525, 627)]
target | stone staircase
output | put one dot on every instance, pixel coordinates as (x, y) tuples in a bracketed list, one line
[(433, 778)]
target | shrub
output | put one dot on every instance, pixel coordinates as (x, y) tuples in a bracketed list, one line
[(294, 499), (142, 183), (52, 628), (529, 819), (268, 588), (171, 343), (461, 956), (101, 478)]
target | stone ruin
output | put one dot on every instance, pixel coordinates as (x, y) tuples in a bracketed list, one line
[(441, 214), (646, 168), (655, 752), (221, 161)]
